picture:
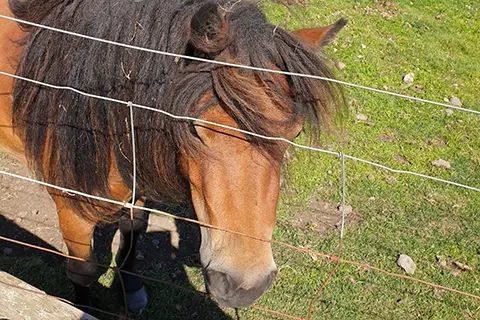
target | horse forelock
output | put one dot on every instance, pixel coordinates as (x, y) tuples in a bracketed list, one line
[(85, 135)]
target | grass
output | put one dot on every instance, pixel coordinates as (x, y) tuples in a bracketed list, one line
[(438, 41)]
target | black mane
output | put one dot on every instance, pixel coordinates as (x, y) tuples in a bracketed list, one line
[(71, 139)]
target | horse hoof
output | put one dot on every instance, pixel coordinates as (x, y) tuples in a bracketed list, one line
[(137, 301)]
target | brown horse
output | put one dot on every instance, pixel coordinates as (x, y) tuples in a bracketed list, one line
[(230, 179)]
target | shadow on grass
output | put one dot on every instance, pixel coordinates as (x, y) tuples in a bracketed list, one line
[(162, 261)]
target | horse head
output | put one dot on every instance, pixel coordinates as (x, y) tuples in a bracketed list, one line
[(234, 178)]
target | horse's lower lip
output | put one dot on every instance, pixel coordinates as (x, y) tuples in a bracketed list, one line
[(231, 304)]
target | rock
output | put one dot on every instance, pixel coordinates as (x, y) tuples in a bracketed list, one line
[(441, 261), (446, 100), (391, 180), (364, 46), (454, 101), (408, 78), (348, 209), (340, 65), (461, 266), (370, 177), (371, 199), (361, 117), (456, 272), (441, 163), (351, 279), (402, 159), (7, 251), (449, 112), (155, 242), (407, 264), (139, 256)]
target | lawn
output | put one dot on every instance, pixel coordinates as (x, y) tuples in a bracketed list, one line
[(429, 221)]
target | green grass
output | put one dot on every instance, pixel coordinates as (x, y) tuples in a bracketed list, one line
[(421, 218), (414, 216)]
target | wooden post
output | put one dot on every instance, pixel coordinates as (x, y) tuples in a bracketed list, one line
[(19, 304)]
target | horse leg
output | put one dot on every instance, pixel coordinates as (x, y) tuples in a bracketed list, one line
[(130, 230), (77, 234)]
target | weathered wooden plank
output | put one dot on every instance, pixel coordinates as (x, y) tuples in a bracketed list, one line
[(18, 304)]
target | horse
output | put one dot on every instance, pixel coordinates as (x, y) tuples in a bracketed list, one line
[(229, 178)]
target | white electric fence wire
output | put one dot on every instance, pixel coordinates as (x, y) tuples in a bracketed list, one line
[(398, 95), (342, 157), (71, 192), (300, 146), (134, 153)]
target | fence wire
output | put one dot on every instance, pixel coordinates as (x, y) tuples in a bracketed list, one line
[(234, 65), (336, 259), (219, 125)]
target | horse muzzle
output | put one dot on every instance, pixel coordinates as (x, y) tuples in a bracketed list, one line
[(234, 290)]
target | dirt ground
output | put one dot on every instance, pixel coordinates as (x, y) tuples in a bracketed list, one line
[(29, 206)]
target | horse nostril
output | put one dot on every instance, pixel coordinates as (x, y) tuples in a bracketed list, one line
[(229, 292), (221, 282), (271, 279)]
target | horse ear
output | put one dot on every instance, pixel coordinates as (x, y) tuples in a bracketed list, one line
[(320, 37), (209, 30)]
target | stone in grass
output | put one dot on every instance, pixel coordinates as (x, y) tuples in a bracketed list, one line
[(140, 256), (340, 65), (348, 209), (7, 251), (408, 78), (461, 266), (391, 180), (456, 102), (441, 163), (361, 117), (449, 112), (407, 264)]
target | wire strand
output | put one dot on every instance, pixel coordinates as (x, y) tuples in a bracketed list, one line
[(236, 130), (234, 65)]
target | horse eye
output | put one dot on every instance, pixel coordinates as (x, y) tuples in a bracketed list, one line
[(194, 132), (298, 134)]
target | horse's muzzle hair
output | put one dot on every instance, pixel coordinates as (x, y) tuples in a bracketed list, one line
[(230, 289)]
